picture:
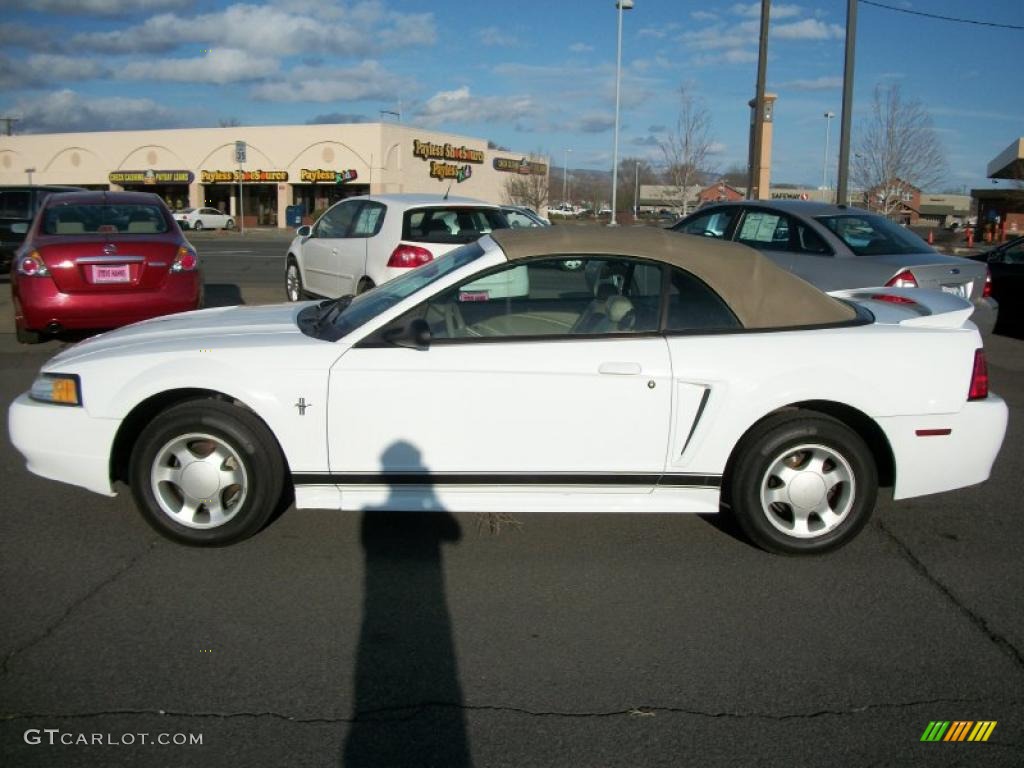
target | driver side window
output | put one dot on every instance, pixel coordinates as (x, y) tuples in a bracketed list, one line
[(711, 224), (550, 297), (337, 221)]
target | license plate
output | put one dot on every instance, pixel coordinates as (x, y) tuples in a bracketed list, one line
[(111, 274), (958, 289)]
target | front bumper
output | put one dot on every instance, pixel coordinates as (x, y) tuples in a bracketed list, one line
[(63, 443), (936, 463)]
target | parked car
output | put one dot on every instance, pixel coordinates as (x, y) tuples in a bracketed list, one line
[(521, 216), (94, 260), (18, 206), (698, 373), (1006, 265), (364, 241), (203, 218), (837, 247)]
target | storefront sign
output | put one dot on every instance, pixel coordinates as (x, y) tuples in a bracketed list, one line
[(523, 166), (427, 150), (150, 177), (442, 171), (217, 177), (314, 175)]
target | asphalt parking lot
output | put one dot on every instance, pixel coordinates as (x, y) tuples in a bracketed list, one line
[(584, 640)]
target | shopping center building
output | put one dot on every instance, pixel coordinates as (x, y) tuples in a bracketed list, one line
[(305, 166)]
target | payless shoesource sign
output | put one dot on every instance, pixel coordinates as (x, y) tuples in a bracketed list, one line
[(447, 161), (224, 177)]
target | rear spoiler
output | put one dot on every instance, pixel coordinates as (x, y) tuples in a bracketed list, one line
[(912, 307)]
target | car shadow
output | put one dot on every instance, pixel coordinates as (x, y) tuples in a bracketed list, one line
[(407, 708), (222, 295)]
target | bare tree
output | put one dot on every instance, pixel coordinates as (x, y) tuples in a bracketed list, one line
[(897, 147), (687, 145), (529, 186)]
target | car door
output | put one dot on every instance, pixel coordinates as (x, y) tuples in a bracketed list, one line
[(767, 231), (352, 250), (556, 379), (320, 252), (1007, 268), (214, 219)]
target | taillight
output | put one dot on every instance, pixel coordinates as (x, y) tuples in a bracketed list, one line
[(186, 260), (32, 266), (904, 279), (409, 256), (979, 377), (987, 290)]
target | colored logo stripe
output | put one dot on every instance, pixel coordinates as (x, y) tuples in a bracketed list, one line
[(958, 730), (982, 730)]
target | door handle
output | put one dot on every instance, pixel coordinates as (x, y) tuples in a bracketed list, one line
[(620, 369)]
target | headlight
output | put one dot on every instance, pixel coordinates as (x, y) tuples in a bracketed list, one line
[(58, 388)]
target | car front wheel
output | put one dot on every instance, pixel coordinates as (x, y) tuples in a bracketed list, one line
[(207, 473), (802, 484), (230, 224), (198, 225), (293, 282)]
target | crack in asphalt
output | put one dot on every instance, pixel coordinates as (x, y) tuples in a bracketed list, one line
[(1000, 641), (409, 711), (4, 666)]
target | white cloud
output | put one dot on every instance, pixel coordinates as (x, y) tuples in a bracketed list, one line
[(367, 80), (753, 11), (363, 29), (817, 84), (808, 29), (581, 48), (220, 66), (704, 16), (23, 35), (67, 111), (98, 7), (595, 123), (42, 69), (461, 105), (493, 36)]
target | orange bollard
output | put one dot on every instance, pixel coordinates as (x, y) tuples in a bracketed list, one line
[(970, 237), (931, 238)]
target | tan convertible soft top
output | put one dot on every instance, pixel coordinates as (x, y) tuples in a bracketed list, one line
[(761, 294)]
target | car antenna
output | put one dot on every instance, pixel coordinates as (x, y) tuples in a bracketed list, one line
[(447, 191)]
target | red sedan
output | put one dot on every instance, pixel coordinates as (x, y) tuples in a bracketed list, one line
[(95, 260)]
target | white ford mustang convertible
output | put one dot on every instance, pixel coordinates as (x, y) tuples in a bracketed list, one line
[(668, 374)]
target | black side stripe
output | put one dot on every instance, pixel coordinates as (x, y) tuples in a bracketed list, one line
[(445, 478)]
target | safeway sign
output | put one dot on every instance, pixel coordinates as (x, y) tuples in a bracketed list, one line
[(239, 152)]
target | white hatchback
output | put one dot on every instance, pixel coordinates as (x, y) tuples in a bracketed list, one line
[(203, 218), (364, 241)]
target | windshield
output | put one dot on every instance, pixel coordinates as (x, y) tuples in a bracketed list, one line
[(870, 235), (367, 306)]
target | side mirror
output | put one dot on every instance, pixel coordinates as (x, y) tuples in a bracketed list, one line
[(304, 231), (414, 335), (19, 229)]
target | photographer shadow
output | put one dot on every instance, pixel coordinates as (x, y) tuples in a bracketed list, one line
[(407, 707)]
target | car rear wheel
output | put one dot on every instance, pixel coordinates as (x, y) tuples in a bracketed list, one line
[(293, 282), (230, 224), (207, 473), (802, 484), (198, 225), (366, 284)]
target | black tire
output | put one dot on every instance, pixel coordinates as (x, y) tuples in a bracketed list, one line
[(25, 336), (253, 456), (198, 225), (230, 224), (780, 458), (366, 284), (292, 272)]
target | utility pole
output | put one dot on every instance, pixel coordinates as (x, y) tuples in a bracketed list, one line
[(754, 172), (844, 122)]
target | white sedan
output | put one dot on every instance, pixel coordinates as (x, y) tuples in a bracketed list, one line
[(203, 218), (672, 374)]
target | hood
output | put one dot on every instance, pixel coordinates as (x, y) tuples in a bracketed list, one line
[(220, 326)]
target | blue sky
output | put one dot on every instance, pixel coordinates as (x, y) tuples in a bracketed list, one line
[(529, 75)]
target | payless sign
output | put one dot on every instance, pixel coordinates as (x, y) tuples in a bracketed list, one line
[(441, 157), (217, 177)]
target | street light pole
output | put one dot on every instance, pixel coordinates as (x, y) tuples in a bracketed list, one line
[(824, 164), (636, 191), (565, 178), (621, 5), (30, 171)]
